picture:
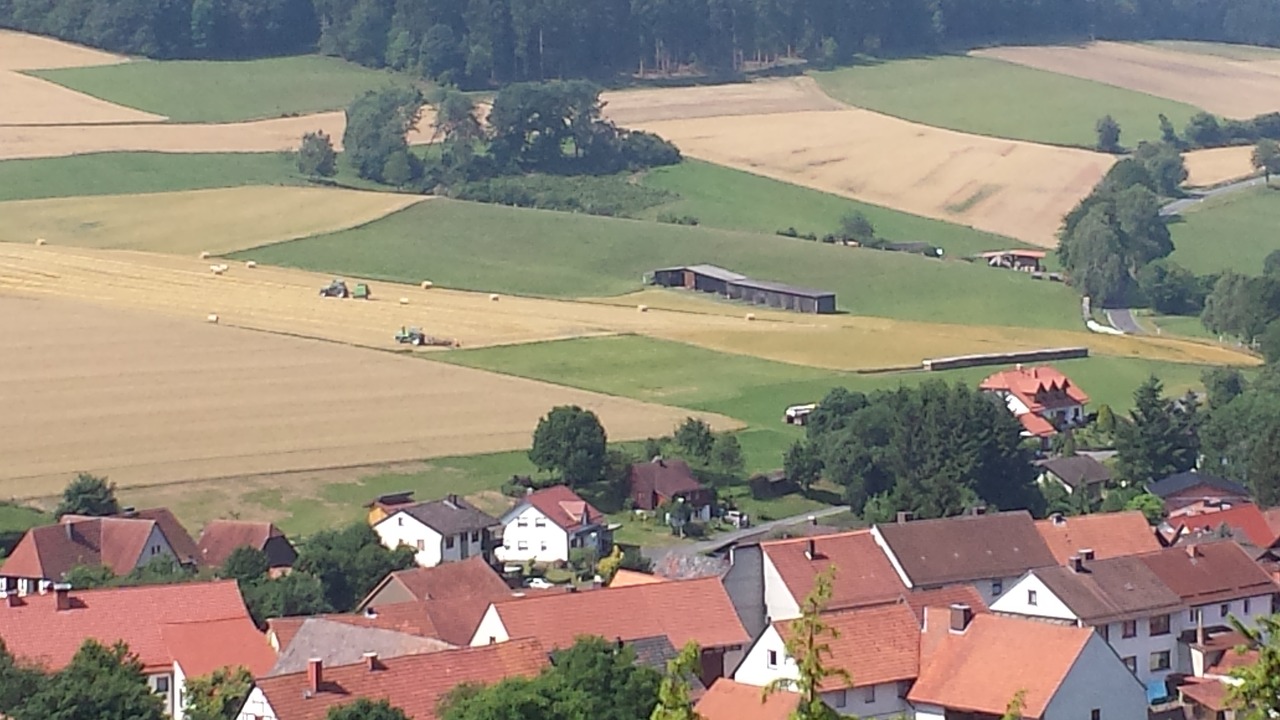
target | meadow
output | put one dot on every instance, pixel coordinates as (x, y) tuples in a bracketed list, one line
[(532, 252), (227, 91), (1000, 99), (1230, 232)]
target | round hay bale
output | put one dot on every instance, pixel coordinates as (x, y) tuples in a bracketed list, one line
[(204, 255), (494, 297), (642, 308), (427, 284), (751, 316), (217, 269), (250, 264), (213, 318), (39, 241), (404, 301)]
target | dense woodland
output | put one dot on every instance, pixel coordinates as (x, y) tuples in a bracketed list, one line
[(478, 42)]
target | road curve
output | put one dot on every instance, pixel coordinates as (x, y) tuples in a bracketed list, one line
[(1197, 196), (1122, 319)]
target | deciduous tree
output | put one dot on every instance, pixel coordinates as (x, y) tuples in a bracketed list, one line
[(809, 645), (1256, 693), (675, 693), (246, 565), (366, 709), (349, 562), (316, 156), (88, 495), (99, 682), (1108, 134), (1266, 158), (219, 695), (376, 126), (726, 454), (570, 442), (695, 439)]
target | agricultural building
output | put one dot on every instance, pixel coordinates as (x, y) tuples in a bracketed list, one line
[(713, 279), (1024, 260)]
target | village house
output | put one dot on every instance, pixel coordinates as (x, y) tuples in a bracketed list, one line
[(337, 643), (680, 610), (444, 530), (863, 576), (547, 524), (413, 683), (1075, 474), (1101, 535), (1040, 397), (470, 578), (664, 482), (384, 505), (1244, 523), (222, 537), (989, 551), (1188, 489), (177, 631), (731, 700)]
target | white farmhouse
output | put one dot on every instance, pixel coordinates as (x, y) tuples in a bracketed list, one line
[(1041, 398), (546, 524), (445, 530)]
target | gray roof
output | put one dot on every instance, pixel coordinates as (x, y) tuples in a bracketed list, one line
[(778, 287), (338, 643), (451, 516), (1078, 471), (1119, 588), (967, 548), (656, 652), (1186, 480), (716, 272)]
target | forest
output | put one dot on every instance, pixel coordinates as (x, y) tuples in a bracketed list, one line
[(483, 43)]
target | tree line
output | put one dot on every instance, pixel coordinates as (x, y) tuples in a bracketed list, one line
[(484, 42)]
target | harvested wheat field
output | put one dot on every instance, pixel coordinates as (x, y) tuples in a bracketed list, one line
[(1221, 85), (21, 51), (1218, 165), (219, 221), (629, 107), (146, 399), (1009, 187)]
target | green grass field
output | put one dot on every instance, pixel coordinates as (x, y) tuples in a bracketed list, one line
[(533, 252), (725, 198), (227, 91), (991, 97), (1230, 232)]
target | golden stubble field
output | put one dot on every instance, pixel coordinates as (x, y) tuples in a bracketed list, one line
[(149, 399), (1232, 86), (1218, 165), (630, 107)]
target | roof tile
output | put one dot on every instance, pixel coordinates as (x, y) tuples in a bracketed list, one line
[(449, 516), (221, 537), (1246, 521), (1039, 387), (966, 548), (879, 644), (863, 572), (1108, 535), (202, 647), (1210, 572), (564, 507), (729, 700), (1111, 590)]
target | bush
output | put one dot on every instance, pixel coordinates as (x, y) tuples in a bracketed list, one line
[(789, 232), (645, 150), (673, 219), (609, 195)]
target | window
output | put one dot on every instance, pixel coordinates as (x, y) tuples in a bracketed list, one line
[(870, 696), (522, 545), (1246, 606), (448, 542), (1095, 714), (162, 684), (400, 522), (771, 658), (1159, 625), (1224, 610), (475, 536), (1160, 661), (1129, 628), (422, 545), (543, 545), (1105, 632), (1131, 663), (1031, 597), (997, 587), (839, 699), (522, 522), (540, 522)]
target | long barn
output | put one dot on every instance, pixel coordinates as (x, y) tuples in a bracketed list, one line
[(727, 283)]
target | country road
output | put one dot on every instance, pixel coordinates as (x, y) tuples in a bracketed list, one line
[(1178, 206), (1122, 319)]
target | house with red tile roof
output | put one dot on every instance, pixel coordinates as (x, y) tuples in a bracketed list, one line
[(413, 683), (1102, 535), (863, 576), (471, 578), (681, 610), (663, 481), (730, 700), (220, 538), (121, 544), (1245, 523), (176, 631), (1040, 397), (547, 524)]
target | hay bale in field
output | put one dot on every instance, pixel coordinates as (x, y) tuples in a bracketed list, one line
[(751, 316), (204, 255), (404, 301), (250, 264), (642, 308), (213, 318), (39, 241), (217, 269), (494, 297), (427, 284)]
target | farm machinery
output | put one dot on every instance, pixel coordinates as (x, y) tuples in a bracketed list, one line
[(339, 289), (414, 336)]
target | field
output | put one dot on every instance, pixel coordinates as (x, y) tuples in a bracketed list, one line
[(1224, 86), (1206, 168), (1006, 187), (990, 97), (630, 107), (151, 399), (190, 222), (1231, 232)]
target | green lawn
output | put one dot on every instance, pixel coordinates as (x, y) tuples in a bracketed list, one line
[(533, 252), (1231, 232), (227, 91), (725, 198), (15, 520), (992, 97)]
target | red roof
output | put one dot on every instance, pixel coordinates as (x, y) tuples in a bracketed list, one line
[(222, 537), (471, 578), (49, 551), (179, 539), (863, 573), (682, 610), (1038, 387), (1108, 535), (202, 647), (1210, 572), (879, 644), (1036, 425), (564, 507), (35, 630), (944, 597), (1208, 692), (666, 478), (413, 683), (1245, 520), (729, 700)]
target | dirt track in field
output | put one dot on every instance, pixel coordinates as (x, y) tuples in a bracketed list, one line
[(1232, 87), (1218, 165), (147, 399)]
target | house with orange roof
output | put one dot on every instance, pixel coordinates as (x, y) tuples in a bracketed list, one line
[(1244, 523), (413, 683), (1042, 398), (731, 700), (1099, 536), (547, 524), (627, 578), (176, 631), (863, 574), (220, 538)]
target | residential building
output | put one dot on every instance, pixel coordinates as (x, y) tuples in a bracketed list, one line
[(1075, 474), (667, 482), (1216, 581), (990, 551), (466, 579), (627, 578), (222, 537), (339, 643), (1040, 397), (681, 610), (731, 700), (864, 575), (974, 665), (1244, 523), (1102, 535), (183, 545), (878, 646), (45, 554), (413, 683), (384, 505), (445, 530), (547, 524), (1195, 488), (176, 631)]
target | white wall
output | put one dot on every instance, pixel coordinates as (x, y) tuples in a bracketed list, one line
[(490, 626), (1016, 406), (1144, 644), (402, 528), (156, 682), (256, 706), (868, 702), (179, 710), (472, 542), (1016, 599), (530, 535), (1097, 680), (1259, 606), (156, 546), (779, 603), (924, 711)]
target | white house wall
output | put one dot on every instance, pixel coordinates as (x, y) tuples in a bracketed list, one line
[(179, 692), (925, 711), (779, 603), (403, 529), (1016, 406), (883, 700), (537, 539), (491, 629), (755, 668), (1016, 600), (256, 706), (1097, 681), (993, 589), (471, 542)]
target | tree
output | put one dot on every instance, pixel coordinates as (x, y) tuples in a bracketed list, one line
[(297, 593), (803, 465), (1203, 130), (1271, 264), (1016, 706), (808, 646), (1108, 134), (456, 120), (1165, 165), (316, 156), (674, 694), (246, 564), (695, 439), (376, 126), (1106, 419), (856, 226), (348, 562), (570, 442), (1222, 385), (1266, 157), (1159, 439), (1171, 289), (1269, 342), (90, 576), (100, 682), (88, 495), (17, 682), (1150, 505), (366, 709), (726, 454), (219, 695), (1256, 693), (1168, 135), (398, 169)]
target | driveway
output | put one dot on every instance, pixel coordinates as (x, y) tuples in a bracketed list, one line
[(703, 546), (1178, 206)]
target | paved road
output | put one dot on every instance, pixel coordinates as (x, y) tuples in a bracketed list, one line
[(726, 538), (1178, 206), (1122, 319)]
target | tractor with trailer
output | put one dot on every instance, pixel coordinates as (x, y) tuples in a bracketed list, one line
[(338, 288), (415, 337)]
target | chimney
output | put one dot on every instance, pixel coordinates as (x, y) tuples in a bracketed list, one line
[(617, 643), (9, 598), (1193, 551), (62, 596), (961, 614), (811, 549), (1087, 553), (128, 512), (978, 510), (371, 661), (1076, 563), (69, 526), (905, 516), (1058, 519), (451, 501), (370, 612), (813, 519), (528, 490), (1199, 627), (315, 674)]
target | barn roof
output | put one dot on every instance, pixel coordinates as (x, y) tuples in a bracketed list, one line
[(769, 286)]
